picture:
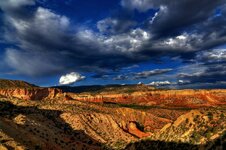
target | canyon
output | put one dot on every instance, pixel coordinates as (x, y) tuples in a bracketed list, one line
[(110, 117)]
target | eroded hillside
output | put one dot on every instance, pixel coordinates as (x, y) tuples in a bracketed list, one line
[(134, 117)]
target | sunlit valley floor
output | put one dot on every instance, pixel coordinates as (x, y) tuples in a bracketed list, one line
[(110, 117)]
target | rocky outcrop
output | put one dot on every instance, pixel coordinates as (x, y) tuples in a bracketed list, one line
[(133, 129), (198, 129), (31, 93), (173, 98), (26, 91), (133, 94)]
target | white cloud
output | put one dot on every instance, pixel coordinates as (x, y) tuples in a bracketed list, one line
[(163, 9), (184, 41), (121, 43), (183, 82), (44, 14), (48, 24), (71, 78), (169, 83), (215, 55), (159, 83), (130, 42)]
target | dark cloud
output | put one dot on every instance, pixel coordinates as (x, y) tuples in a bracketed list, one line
[(146, 74), (210, 68), (212, 56), (115, 25), (46, 43), (174, 15), (142, 75), (212, 74), (121, 77), (197, 22)]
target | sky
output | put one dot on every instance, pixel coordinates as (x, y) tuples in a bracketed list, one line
[(162, 43)]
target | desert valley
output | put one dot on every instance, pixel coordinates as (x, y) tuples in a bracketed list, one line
[(112, 74), (110, 117)]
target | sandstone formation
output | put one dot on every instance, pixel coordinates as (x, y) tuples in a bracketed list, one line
[(131, 117), (31, 93), (132, 129), (170, 98)]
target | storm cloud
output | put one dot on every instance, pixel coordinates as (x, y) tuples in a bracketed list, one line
[(45, 42), (142, 75)]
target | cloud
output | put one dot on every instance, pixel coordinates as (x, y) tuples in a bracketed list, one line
[(111, 25), (208, 68), (47, 33), (140, 5), (121, 77), (32, 64), (146, 74), (183, 42), (215, 55), (170, 84), (46, 43), (142, 75), (182, 82), (70, 78), (176, 14), (13, 4), (213, 73), (159, 83)]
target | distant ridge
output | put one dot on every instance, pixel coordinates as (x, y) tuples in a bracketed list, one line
[(4, 83), (105, 88)]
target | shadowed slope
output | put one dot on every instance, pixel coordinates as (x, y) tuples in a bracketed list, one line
[(35, 128), (218, 144)]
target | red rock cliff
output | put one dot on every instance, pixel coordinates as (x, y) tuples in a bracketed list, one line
[(160, 97), (31, 93)]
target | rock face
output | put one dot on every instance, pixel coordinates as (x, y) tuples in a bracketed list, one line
[(136, 94), (26, 91), (132, 129), (173, 98), (31, 93), (197, 129)]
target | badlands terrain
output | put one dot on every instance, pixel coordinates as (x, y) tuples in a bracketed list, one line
[(132, 117)]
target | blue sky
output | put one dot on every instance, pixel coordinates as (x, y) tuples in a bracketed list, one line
[(175, 44)]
